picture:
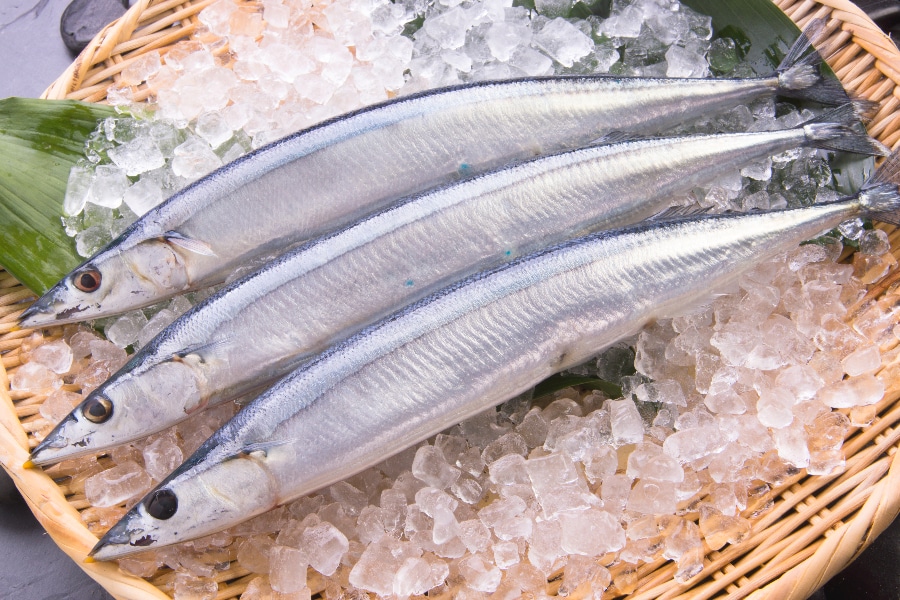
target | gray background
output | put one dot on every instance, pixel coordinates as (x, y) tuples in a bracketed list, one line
[(33, 568)]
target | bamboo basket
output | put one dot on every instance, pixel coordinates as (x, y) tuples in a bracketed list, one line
[(815, 526)]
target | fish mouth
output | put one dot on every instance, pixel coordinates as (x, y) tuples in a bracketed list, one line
[(42, 314), (47, 451), (37, 315), (118, 542)]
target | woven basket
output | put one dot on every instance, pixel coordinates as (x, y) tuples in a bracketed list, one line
[(816, 526)]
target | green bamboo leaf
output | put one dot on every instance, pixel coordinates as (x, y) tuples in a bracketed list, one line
[(557, 382), (40, 140)]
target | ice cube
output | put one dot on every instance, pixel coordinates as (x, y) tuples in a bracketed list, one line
[(287, 569), (652, 497), (78, 189), (563, 42), (479, 574), (375, 569), (33, 377), (417, 575), (686, 61), (506, 554), (135, 157), (109, 185), (350, 498), (58, 405), (510, 443), (214, 128), (325, 546), (591, 532), (55, 355), (430, 467), (474, 534), (719, 529), (161, 456), (448, 28), (627, 426), (125, 330), (116, 485), (854, 391), (191, 587), (194, 159), (859, 362)]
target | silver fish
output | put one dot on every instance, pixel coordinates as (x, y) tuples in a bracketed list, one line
[(394, 257), (460, 351), (331, 174)]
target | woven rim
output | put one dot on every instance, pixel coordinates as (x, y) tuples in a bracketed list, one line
[(814, 527)]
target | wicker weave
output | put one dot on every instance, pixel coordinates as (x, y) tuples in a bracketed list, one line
[(813, 526)]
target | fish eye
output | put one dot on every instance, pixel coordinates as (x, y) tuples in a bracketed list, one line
[(97, 409), (162, 504), (87, 280)]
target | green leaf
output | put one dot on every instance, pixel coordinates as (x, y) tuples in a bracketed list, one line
[(40, 140), (557, 382)]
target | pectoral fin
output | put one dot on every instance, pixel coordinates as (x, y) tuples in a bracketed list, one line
[(189, 244)]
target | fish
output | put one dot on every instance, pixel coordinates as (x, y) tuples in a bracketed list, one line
[(462, 350), (331, 174), (396, 256)]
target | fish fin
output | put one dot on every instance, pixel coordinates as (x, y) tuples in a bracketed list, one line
[(879, 196), (799, 75), (189, 244), (810, 35), (263, 447), (678, 212), (201, 350), (617, 137), (835, 130)]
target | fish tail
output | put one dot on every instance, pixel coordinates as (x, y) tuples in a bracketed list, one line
[(799, 75), (838, 129), (879, 196)]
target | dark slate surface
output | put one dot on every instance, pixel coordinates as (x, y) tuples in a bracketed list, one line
[(32, 567), (82, 19)]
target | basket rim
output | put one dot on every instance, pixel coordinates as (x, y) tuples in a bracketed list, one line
[(157, 24)]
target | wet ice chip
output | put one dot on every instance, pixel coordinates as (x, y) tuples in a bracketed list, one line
[(287, 569), (627, 426), (58, 405), (449, 28), (859, 362), (194, 159), (55, 355), (142, 196), (474, 534), (33, 376), (124, 331), (161, 456), (417, 575), (480, 574), (325, 546), (854, 391), (137, 156), (564, 42), (214, 128), (591, 532), (430, 467), (652, 497), (116, 485), (108, 187)]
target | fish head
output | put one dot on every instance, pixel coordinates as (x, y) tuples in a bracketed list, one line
[(113, 281), (128, 407), (191, 503)]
